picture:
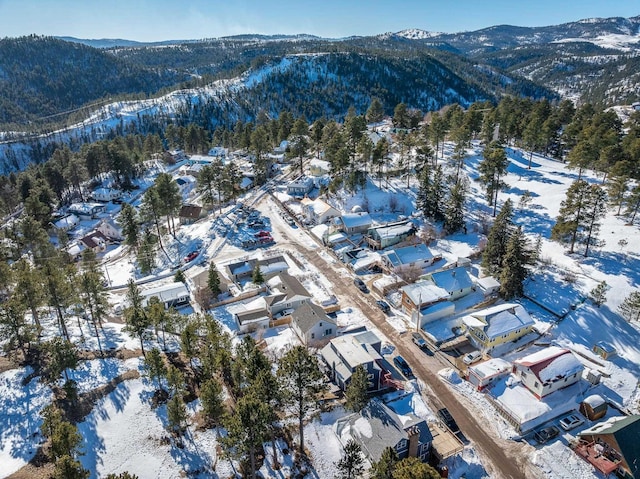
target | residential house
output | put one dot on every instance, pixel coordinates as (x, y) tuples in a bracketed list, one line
[(594, 407), (488, 285), (170, 294), (186, 184), (343, 354), (548, 370), (300, 187), (252, 320), (110, 229), (286, 292), (486, 373), (75, 250), (378, 426), (86, 211), (416, 257), (492, 327), (455, 281), (312, 325), (67, 223), (425, 302), (381, 237), (219, 152), (106, 194), (613, 446), (319, 167), (95, 241), (189, 214), (269, 267), (318, 211), (353, 223)]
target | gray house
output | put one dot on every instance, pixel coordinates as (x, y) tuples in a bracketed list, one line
[(286, 293), (408, 435)]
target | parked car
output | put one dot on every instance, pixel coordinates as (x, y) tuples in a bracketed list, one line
[(448, 420), (360, 285), (383, 306), (472, 357), (546, 434), (191, 256), (403, 366), (570, 421), (418, 340), (262, 233), (283, 313)]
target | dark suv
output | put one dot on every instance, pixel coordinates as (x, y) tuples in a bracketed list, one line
[(360, 285), (448, 420), (403, 366)]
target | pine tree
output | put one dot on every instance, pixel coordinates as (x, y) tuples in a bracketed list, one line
[(60, 355), (630, 307), (176, 415), (633, 204), (375, 112), (135, 316), (212, 400), (179, 277), (351, 464), (598, 294), (302, 382), (147, 253), (514, 266), (170, 198), (66, 467), (596, 209), (130, 223), (492, 169), (571, 217), (15, 331), (257, 277), (213, 280), (454, 212), (247, 429), (65, 440), (29, 288), (497, 240), (618, 185), (93, 293), (384, 467), (413, 468), (155, 366), (356, 392)]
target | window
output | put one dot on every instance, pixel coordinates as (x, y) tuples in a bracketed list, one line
[(536, 385), (321, 324), (313, 335), (402, 445)]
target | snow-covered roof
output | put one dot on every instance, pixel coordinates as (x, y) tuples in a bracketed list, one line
[(321, 164), (319, 231), (499, 320), (434, 308), (354, 220), (452, 279), (408, 254), (488, 282), (351, 351), (165, 292), (551, 363), (318, 206), (594, 400), (492, 367), (67, 222), (393, 231), (424, 292)]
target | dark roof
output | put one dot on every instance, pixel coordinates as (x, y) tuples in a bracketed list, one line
[(251, 314), (190, 211), (291, 286), (626, 431), (308, 315), (94, 239)]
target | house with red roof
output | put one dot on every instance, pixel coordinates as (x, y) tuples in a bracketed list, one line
[(548, 370)]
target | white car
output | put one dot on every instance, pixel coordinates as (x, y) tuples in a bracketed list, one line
[(571, 421), (472, 357)]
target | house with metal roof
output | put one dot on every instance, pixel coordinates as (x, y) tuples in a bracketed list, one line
[(417, 257), (353, 223), (318, 211), (300, 186), (285, 292), (491, 327), (378, 426), (383, 236), (86, 211), (425, 302), (548, 370), (455, 281), (170, 294), (312, 325), (613, 446), (486, 373)]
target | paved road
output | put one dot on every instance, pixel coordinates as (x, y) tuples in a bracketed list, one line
[(503, 459)]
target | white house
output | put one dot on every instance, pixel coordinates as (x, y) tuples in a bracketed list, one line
[(319, 167), (171, 294), (67, 223), (318, 211), (312, 325), (110, 229), (486, 373), (488, 285), (425, 302), (354, 223), (86, 211), (455, 281), (416, 257), (548, 370), (106, 194)]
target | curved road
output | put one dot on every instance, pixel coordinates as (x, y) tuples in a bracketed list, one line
[(503, 459)]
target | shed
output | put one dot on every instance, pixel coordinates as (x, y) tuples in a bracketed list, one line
[(604, 350), (189, 214), (593, 407)]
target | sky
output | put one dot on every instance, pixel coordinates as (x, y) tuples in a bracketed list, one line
[(155, 20)]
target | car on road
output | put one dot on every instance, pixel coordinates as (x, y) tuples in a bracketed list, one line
[(418, 340), (472, 357), (570, 421), (384, 306), (546, 434), (446, 417), (403, 366), (191, 256), (360, 285)]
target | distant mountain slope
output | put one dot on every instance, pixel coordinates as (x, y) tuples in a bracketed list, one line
[(41, 76)]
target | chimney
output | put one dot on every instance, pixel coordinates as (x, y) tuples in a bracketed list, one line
[(414, 435)]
